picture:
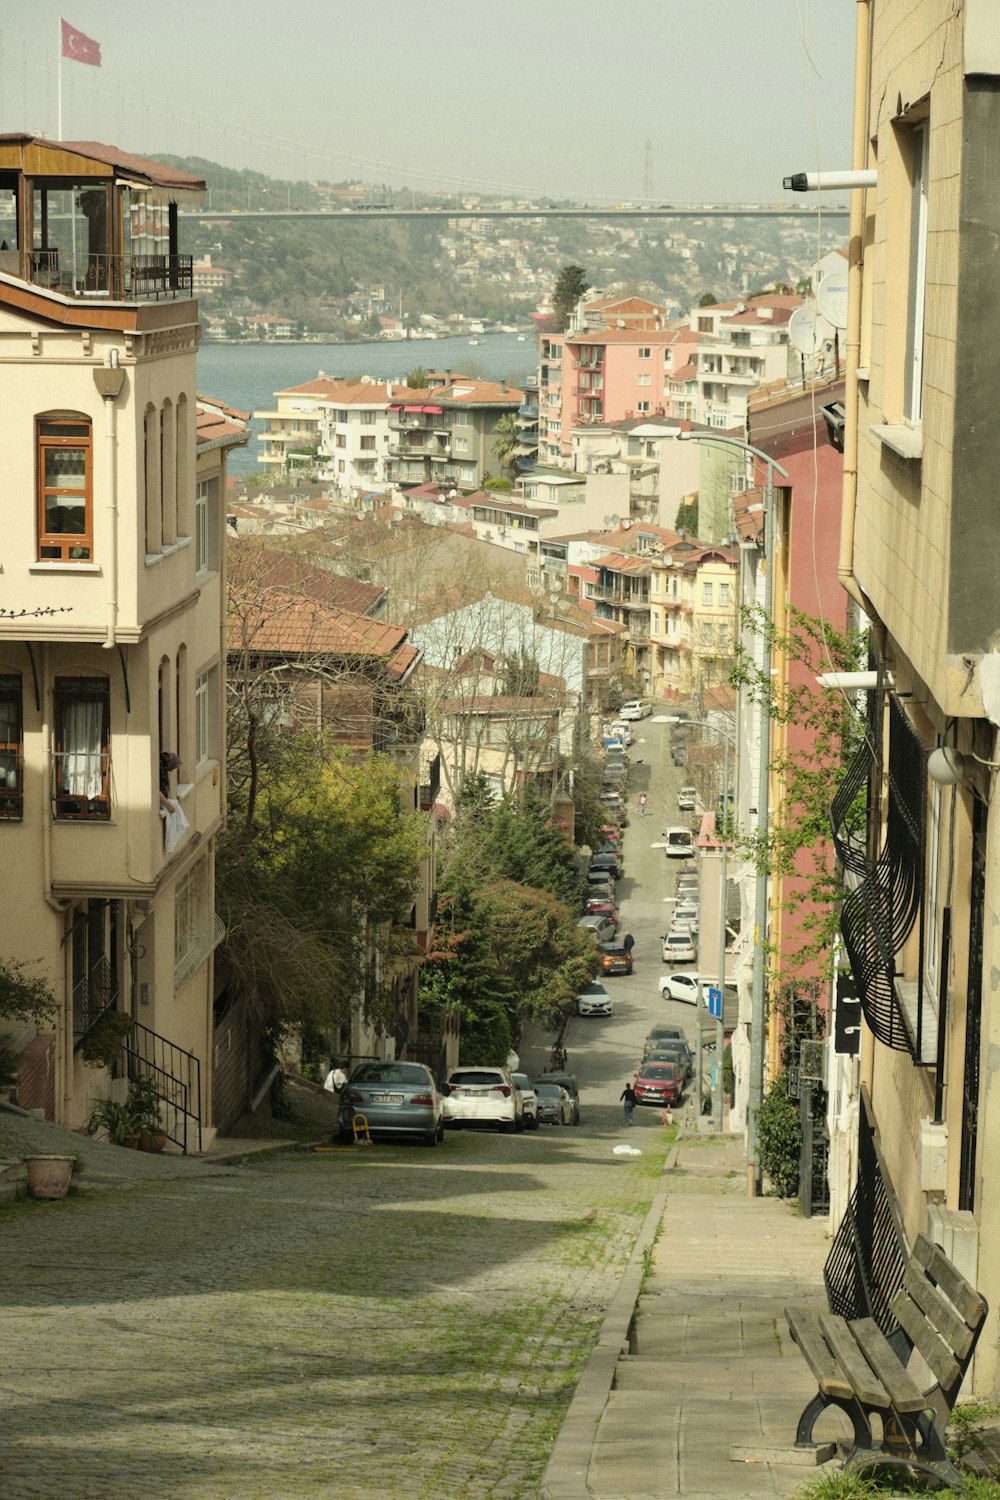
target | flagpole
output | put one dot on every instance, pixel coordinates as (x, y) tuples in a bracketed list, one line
[(59, 88)]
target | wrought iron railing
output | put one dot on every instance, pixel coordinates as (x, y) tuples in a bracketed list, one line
[(867, 1262), (120, 277), (93, 996), (430, 788), (176, 1076), (884, 908)]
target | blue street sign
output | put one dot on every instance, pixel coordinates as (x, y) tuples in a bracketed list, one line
[(715, 1002)]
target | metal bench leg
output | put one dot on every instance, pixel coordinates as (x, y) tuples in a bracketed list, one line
[(817, 1406)]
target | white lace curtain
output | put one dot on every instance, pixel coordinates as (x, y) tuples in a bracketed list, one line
[(82, 763)]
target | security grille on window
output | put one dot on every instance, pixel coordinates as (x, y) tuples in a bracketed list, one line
[(11, 749), (65, 490), (83, 754)]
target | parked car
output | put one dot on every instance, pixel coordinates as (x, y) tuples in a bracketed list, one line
[(687, 799), (679, 753), (613, 802), (687, 885), (622, 731), (395, 1098), (600, 926), (593, 1000), (679, 843), (685, 912), (678, 948), (611, 834), (635, 708), (678, 715), (684, 987), (529, 1100), (600, 905), (483, 1096), (610, 862), (659, 1032), (670, 1049), (615, 957), (659, 1083), (566, 1081), (555, 1107)]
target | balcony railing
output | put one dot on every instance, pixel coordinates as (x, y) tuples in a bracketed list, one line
[(122, 278), (429, 789)]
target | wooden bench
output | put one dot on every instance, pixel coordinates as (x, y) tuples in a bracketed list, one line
[(868, 1374)]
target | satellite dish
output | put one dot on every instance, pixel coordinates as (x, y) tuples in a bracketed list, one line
[(612, 520), (831, 298), (807, 329)]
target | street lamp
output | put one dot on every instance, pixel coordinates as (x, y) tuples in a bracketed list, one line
[(756, 1089)]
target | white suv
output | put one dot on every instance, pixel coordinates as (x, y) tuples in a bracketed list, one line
[(483, 1096)]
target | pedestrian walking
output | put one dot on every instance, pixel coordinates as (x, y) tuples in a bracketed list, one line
[(628, 1096), (642, 804), (628, 942)]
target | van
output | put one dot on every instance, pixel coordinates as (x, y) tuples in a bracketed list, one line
[(687, 799)]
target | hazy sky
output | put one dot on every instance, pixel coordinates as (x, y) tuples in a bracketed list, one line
[(542, 96)]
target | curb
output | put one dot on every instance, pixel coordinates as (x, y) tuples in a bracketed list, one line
[(565, 1476)]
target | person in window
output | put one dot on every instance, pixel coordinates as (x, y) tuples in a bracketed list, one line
[(168, 762)]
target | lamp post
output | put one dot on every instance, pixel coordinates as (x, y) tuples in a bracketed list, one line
[(756, 1089)]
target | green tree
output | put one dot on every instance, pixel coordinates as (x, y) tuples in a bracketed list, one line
[(571, 283), (505, 440), (416, 380), (798, 841), (708, 299), (24, 996), (310, 886)]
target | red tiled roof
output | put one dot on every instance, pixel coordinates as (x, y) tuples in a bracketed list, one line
[(283, 623), (253, 566)]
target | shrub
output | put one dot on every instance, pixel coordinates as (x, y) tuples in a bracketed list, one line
[(779, 1137)]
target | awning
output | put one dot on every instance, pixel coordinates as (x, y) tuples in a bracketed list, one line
[(433, 411)]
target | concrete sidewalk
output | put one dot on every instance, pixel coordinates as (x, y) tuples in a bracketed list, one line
[(695, 1361)]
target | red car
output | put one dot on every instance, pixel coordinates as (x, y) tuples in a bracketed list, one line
[(659, 1083), (601, 904)]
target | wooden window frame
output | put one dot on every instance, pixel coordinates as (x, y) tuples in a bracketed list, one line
[(61, 546)]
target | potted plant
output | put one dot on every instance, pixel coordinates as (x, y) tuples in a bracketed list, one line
[(144, 1101), (103, 1043), (119, 1121)]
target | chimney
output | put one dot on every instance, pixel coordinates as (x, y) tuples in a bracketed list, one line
[(388, 390), (503, 387)]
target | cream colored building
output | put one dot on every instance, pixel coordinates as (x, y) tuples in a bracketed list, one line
[(692, 620), (111, 630), (921, 920)]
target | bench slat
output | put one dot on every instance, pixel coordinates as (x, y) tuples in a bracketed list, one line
[(954, 1330), (865, 1383), (903, 1390), (804, 1326), (970, 1305), (942, 1362)]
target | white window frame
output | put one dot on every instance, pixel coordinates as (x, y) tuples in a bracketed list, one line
[(917, 288), (202, 710), (201, 527)]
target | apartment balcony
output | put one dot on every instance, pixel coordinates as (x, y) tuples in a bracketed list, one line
[(638, 632), (115, 278), (589, 392), (430, 447), (527, 412), (617, 596), (430, 419)]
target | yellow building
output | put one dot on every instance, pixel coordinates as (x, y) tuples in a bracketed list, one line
[(919, 552), (692, 620), (111, 627)]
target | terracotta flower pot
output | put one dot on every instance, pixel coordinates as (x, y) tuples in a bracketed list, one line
[(49, 1176), (152, 1140)]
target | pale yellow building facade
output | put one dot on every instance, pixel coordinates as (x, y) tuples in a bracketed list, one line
[(919, 556), (111, 632)]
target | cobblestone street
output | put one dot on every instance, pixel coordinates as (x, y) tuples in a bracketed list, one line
[(381, 1322)]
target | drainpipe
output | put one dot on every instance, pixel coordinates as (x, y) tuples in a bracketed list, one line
[(109, 379), (64, 1033), (852, 344)]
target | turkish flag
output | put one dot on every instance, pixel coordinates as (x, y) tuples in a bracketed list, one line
[(80, 48)]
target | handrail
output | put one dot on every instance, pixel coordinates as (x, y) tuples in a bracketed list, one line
[(177, 1077)]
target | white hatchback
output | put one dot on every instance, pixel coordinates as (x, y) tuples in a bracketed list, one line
[(678, 948)]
